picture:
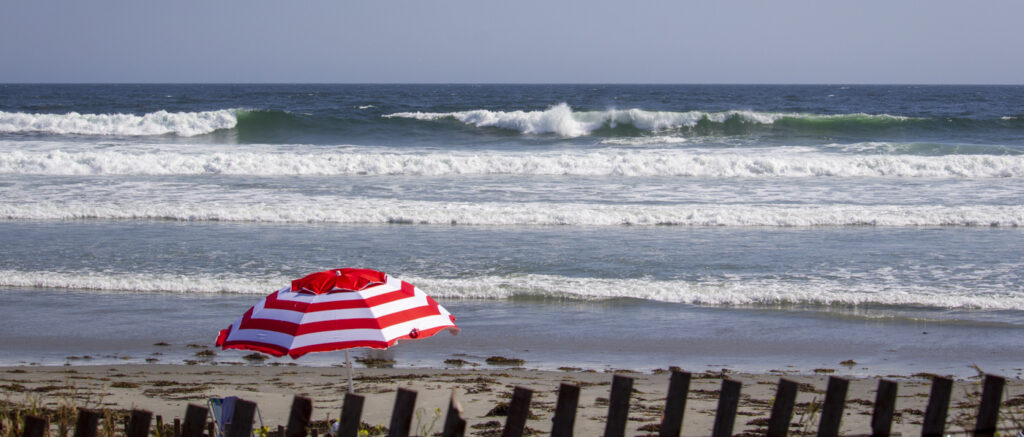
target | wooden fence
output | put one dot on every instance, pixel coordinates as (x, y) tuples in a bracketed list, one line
[(195, 423)]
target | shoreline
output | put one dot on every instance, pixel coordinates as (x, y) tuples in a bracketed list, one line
[(166, 389), (636, 335)]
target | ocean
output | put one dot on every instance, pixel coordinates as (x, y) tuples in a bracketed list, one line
[(747, 227)]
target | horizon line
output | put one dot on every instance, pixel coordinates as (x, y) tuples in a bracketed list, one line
[(532, 83)]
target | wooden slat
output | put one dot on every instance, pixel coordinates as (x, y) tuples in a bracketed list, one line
[(518, 412), (618, 406), (938, 404), (988, 410), (728, 402), (241, 419), (782, 409), (177, 427), (195, 417), (565, 410), (832, 409), (280, 430), (34, 427), (675, 404), (87, 422), (885, 406), (454, 424), (401, 415), (351, 415), (298, 418), (138, 424)]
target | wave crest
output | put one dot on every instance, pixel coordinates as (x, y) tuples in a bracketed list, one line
[(387, 211), (714, 291), (607, 162), (184, 124), (562, 120)]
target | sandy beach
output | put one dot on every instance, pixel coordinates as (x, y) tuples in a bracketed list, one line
[(167, 389)]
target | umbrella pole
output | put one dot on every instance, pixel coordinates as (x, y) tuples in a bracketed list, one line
[(348, 362)]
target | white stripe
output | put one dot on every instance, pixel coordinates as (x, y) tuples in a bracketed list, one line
[(419, 299), (387, 287), (300, 317), (376, 312), (387, 334), (338, 336), (262, 336)]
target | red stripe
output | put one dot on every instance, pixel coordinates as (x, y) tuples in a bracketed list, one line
[(272, 302), (267, 348), (295, 329), (222, 336), (409, 289), (327, 347)]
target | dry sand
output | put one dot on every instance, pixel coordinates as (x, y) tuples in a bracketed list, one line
[(167, 389)]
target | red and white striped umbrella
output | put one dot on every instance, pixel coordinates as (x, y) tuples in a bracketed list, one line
[(337, 309)]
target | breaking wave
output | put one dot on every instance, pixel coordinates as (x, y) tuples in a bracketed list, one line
[(716, 291), (605, 162), (150, 282), (184, 124), (389, 211), (562, 120)]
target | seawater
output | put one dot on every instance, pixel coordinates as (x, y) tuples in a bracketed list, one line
[(747, 227)]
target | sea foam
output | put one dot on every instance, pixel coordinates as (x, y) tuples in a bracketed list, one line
[(716, 291), (623, 162), (155, 123), (390, 211)]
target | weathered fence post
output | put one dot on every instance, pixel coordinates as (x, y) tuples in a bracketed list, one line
[(241, 419), (454, 424), (177, 427), (401, 415), (159, 424), (988, 410), (782, 409), (938, 404), (138, 424), (565, 410), (675, 404), (280, 430), (518, 412), (885, 405), (351, 415), (86, 424), (832, 409), (618, 406), (34, 427), (728, 402), (298, 418), (195, 417)]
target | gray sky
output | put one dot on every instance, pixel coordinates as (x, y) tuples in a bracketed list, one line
[(476, 41)]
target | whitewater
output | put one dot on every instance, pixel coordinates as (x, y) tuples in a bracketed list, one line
[(684, 162), (820, 291), (155, 123)]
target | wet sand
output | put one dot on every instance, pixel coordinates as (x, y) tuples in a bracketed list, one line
[(167, 389)]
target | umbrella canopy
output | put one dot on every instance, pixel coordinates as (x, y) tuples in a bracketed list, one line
[(337, 309)]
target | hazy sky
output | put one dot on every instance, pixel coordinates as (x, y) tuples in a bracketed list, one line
[(476, 41)]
